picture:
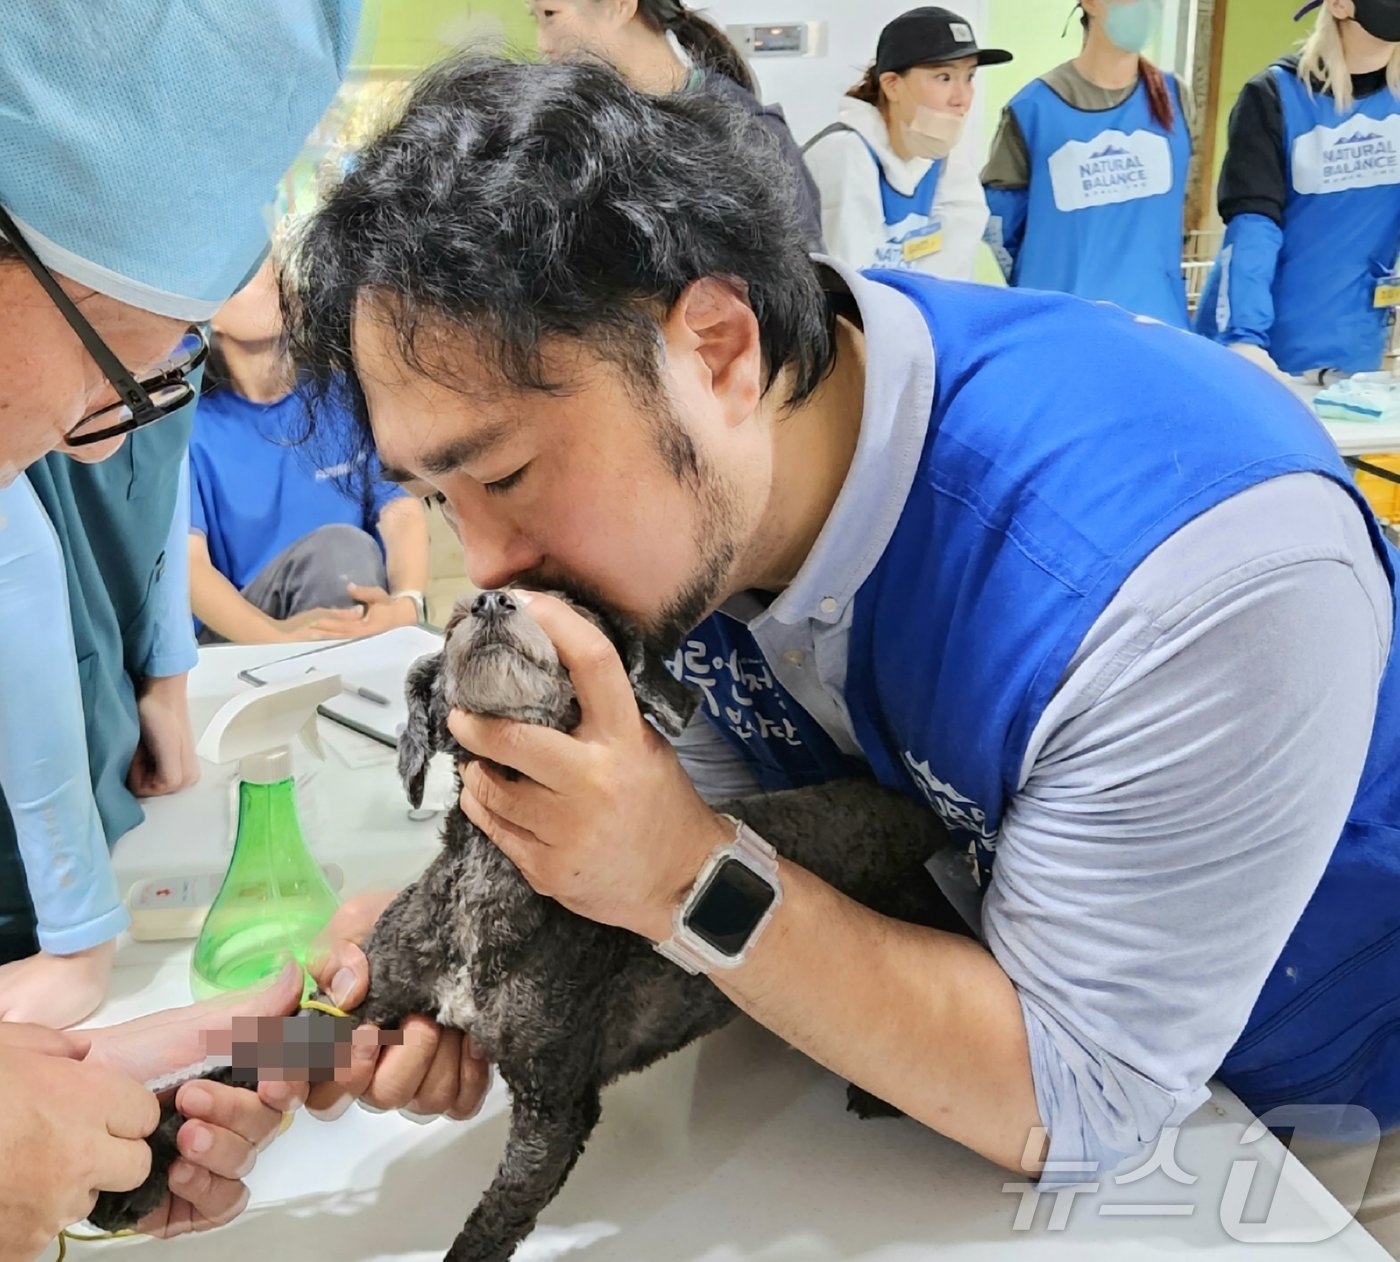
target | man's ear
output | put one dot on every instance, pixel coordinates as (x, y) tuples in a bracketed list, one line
[(422, 735), (661, 697), (713, 321)]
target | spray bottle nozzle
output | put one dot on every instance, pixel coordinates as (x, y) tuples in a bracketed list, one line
[(259, 728)]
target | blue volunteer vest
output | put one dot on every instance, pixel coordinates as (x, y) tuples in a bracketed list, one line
[(915, 231), (1341, 229), (1107, 202), (1008, 549)]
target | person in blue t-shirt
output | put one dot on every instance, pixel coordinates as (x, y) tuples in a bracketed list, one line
[(292, 537), (1087, 178), (1310, 196)]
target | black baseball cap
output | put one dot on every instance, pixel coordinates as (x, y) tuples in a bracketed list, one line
[(1380, 18), (929, 36)]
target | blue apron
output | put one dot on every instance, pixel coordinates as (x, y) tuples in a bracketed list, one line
[(915, 231), (1341, 234), (1007, 551), (1107, 202)]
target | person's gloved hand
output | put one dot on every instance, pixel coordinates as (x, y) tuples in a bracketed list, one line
[(1259, 356), (226, 1126), (56, 990), (165, 760), (69, 1128), (432, 1071)]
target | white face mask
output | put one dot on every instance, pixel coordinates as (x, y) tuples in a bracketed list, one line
[(933, 133)]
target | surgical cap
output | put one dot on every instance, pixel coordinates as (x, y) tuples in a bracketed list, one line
[(141, 141)]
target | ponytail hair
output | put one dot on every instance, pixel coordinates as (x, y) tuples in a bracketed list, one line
[(1159, 95), (707, 45), (868, 89)]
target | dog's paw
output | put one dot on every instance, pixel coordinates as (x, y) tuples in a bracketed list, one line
[(121, 1211), (866, 1106), (476, 1246)]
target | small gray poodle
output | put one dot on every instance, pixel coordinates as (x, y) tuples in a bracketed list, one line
[(563, 1005)]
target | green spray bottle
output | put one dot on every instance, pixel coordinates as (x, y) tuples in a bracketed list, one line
[(274, 898)]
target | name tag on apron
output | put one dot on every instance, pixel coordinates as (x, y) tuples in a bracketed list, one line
[(929, 240), (1387, 291)]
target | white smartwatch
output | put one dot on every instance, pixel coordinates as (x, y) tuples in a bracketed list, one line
[(729, 906)]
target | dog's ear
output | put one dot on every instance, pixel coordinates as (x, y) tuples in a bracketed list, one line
[(660, 695), (422, 735)]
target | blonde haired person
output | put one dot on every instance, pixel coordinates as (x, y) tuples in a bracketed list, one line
[(1087, 177), (897, 176), (1310, 196)]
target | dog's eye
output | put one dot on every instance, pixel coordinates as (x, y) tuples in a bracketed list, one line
[(501, 485)]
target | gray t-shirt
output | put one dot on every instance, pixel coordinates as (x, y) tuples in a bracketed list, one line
[(1181, 793)]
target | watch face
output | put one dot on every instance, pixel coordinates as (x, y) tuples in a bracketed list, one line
[(729, 908)]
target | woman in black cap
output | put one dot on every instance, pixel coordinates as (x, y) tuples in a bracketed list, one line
[(665, 46), (1087, 178), (897, 189)]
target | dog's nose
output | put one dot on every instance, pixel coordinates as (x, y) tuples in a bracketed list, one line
[(493, 605)]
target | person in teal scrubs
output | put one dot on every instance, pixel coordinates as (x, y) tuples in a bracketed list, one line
[(106, 543), (136, 170)]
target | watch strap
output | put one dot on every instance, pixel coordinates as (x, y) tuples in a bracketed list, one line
[(686, 948), (419, 602)]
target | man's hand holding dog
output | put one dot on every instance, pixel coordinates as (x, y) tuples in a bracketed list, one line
[(604, 820), (432, 1071), (584, 828)]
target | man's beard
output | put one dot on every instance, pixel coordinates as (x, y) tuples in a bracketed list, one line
[(715, 539), (664, 633)]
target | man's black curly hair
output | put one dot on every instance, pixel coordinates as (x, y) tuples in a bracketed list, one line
[(519, 203)]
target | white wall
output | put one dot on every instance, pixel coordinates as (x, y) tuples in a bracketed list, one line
[(809, 88)]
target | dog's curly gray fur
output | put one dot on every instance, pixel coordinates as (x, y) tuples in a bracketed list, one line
[(562, 1005)]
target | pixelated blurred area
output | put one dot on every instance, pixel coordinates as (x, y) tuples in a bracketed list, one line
[(308, 1046)]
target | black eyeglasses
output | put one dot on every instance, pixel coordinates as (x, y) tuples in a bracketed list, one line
[(153, 398)]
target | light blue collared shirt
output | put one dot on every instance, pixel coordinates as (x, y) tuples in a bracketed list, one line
[(1174, 811)]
